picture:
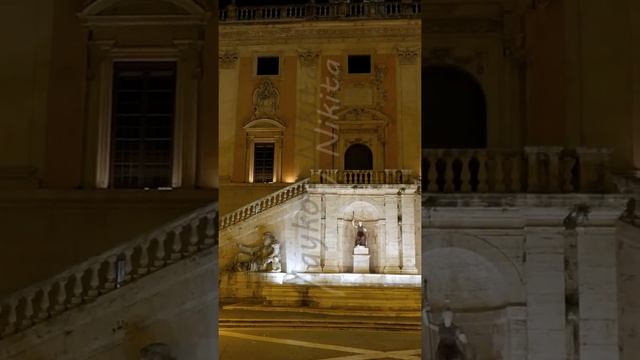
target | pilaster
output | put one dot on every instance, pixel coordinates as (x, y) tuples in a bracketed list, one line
[(544, 271), (598, 293), (408, 231), (392, 244), (332, 256)]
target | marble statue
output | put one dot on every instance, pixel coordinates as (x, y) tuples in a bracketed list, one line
[(263, 257), (156, 351), (452, 342), (361, 233)]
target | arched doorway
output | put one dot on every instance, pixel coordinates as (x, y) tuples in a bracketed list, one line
[(454, 109), (358, 157)]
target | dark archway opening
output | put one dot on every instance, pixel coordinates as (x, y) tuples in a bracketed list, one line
[(358, 157), (454, 111)]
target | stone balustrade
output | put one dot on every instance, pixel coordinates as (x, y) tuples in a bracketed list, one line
[(111, 270), (317, 11), (361, 177), (263, 204), (532, 170)]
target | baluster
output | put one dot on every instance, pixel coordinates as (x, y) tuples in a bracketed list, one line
[(448, 172), (143, 259), (532, 179), (516, 183), (499, 173), (61, 296), (111, 273), (210, 230), (12, 319), (28, 310), (43, 311), (554, 169), (433, 172), (193, 237), (94, 280), (482, 172), (176, 245), (465, 174), (567, 183), (159, 261), (128, 265), (78, 288)]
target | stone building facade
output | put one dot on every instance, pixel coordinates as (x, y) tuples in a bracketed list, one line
[(515, 203), (521, 230), (108, 140), (329, 95)]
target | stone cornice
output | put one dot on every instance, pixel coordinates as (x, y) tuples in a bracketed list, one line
[(613, 202), (389, 30)]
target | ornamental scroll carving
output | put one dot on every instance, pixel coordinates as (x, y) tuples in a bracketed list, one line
[(266, 100), (308, 58), (408, 56), (228, 60), (374, 85)]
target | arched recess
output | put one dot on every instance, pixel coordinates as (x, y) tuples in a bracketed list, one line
[(457, 263), (358, 157), (373, 220), (361, 125), (454, 110)]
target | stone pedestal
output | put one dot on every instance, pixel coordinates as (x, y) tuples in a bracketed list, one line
[(361, 260)]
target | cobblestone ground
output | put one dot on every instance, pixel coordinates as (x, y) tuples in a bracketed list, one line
[(318, 344)]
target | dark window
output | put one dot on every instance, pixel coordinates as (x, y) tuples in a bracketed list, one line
[(358, 157), (359, 64), (142, 124), (268, 65), (263, 162)]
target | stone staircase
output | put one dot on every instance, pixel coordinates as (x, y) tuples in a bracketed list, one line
[(263, 204), (245, 316), (320, 294), (119, 269)]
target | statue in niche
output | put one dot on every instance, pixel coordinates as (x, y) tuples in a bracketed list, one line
[(265, 100), (452, 342), (156, 351), (361, 232), (263, 257)]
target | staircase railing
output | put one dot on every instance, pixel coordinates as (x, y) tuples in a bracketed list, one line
[(110, 270), (532, 170), (362, 177), (263, 204)]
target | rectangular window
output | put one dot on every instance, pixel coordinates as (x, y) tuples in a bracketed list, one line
[(268, 65), (263, 162), (359, 64), (142, 124)]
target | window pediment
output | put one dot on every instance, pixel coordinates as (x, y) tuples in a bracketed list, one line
[(264, 124), (114, 12)]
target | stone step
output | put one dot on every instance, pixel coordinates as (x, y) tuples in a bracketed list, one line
[(230, 308), (319, 323)]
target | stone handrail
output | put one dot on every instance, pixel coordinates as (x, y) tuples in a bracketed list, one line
[(260, 205), (312, 10), (532, 170), (361, 177), (108, 271)]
